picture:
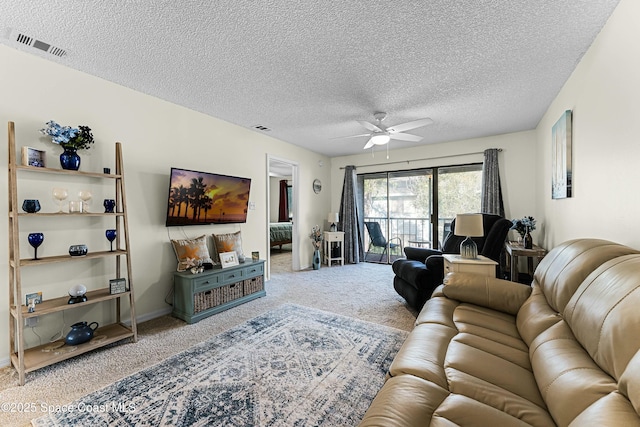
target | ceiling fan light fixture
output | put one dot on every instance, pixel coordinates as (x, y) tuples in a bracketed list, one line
[(380, 139)]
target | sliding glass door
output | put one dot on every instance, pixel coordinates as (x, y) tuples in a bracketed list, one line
[(415, 208), (459, 191)]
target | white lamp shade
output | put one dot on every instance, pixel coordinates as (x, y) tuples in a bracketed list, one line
[(469, 225), (333, 218)]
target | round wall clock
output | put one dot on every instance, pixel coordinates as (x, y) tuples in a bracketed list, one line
[(317, 186)]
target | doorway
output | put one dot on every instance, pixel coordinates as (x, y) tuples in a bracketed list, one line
[(282, 212)]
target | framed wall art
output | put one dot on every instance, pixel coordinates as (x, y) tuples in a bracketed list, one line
[(33, 157), (561, 179), (228, 259)]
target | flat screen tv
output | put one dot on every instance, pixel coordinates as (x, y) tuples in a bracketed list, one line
[(199, 198)]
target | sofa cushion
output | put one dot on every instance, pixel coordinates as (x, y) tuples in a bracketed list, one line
[(601, 310), (556, 279), (405, 401), (568, 379), (487, 292), (452, 345), (579, 360), (629, 385), (561, 272)]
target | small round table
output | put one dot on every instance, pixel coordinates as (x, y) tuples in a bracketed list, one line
[(419, 243)]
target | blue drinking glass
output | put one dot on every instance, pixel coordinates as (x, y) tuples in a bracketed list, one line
[(109, 205), (35, 240), (31, 205), (111, 236)]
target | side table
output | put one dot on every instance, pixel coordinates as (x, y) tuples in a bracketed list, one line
[(419, 243), (481, 265), (331, 237), (515, 250)]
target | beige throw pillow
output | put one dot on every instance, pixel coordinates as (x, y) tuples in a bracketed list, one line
[(191, 252), (228, 243)]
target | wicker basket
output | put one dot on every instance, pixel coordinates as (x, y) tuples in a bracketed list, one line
[(253, 285), (214, 297)]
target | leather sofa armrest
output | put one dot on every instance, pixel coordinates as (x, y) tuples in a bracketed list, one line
[(437, 292), (484, 291), (419, 254)]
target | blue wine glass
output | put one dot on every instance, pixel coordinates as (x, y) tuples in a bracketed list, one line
[(35, 240), (111, 236)]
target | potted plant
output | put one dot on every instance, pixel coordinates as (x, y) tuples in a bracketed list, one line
[(71, 140), (524, 226)]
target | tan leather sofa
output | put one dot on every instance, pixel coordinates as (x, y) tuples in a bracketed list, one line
[(488, 352)]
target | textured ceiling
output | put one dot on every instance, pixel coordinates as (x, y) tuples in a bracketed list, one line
[(309, 69)]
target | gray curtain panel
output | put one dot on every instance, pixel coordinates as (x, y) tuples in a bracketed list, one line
[(491, 191), (349, 218)]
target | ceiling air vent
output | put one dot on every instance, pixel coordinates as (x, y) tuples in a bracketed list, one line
[(261, 128), (38, 44)]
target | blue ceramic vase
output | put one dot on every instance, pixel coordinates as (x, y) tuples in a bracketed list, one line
[(80, 333), (69, 159), (316, 259)]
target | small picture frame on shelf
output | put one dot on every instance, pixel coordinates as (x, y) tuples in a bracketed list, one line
[(36, 297), (33, 157), (117, 286), (255, 256), (228, 259)]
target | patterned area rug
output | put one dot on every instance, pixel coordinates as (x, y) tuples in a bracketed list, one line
[(293, 366)]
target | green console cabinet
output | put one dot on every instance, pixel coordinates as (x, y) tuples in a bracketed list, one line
[(197, 296)]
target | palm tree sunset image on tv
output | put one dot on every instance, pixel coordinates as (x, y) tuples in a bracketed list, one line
[(198, 198)]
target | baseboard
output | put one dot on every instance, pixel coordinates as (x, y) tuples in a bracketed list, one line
[(6, 361), (150, 316)]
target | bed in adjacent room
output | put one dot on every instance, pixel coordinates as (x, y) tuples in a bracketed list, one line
[(280, 233)]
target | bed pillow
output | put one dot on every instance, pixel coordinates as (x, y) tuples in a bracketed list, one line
[(191, 252), (228, 243)]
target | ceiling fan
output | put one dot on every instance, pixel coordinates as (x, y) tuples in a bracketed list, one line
[(381, 135)]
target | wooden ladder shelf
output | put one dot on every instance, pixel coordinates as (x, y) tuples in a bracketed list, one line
[(29, 359)]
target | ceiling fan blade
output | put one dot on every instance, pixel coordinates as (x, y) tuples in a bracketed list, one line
[(409, 125), (351, 136), (370, 126), (369, 144), (405, 137)]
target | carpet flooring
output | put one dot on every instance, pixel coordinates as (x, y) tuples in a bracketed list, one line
[(363, 291), (293, 366)]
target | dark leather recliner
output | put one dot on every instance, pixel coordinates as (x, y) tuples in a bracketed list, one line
[(423, 270)]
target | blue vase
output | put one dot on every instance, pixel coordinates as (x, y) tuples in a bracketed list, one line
[(69, 159), (80, 333), (316, 259)]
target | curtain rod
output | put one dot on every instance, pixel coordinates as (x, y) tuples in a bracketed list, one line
[(419, 160)]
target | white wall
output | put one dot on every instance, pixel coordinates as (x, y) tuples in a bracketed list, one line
[(603, 92), (517, 170), (155, 135)]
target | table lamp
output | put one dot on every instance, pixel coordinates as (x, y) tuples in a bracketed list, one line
[(332, 219), (469, 225)]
